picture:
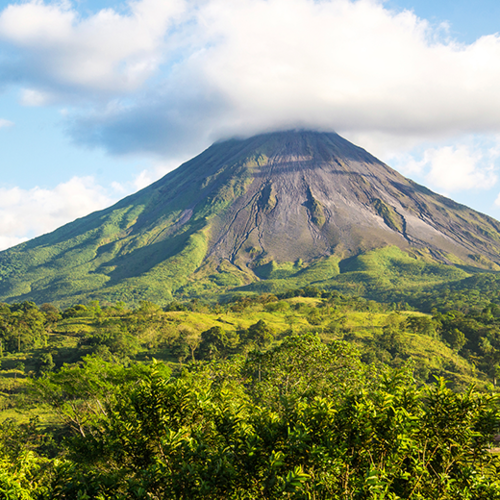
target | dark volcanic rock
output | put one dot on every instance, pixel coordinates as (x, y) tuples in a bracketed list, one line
[(315, 194), (241, 205)]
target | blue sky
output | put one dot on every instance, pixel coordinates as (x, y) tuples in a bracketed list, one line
[(468, 20), (100, 97)]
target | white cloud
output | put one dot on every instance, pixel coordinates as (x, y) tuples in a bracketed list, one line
[(454, 167), (105, 51), (356, 67), (10, 241), (150, 175), (347, 65), (30, 97), (27, 213), (175, 75), (457, 169), (5, 123), (143, 179), (118, 187)]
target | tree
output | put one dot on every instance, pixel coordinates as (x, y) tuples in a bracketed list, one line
[(115, 337), (391, 338), (44, 363), (79, 393), (191, 338), (216, 343), (21, 468), (423, 325), (94, 308), (456, 339), (52, 315), (22, 326), (259, 334), (302, 366), (76, 311), (180, 349), (148, 309), (374, 437)]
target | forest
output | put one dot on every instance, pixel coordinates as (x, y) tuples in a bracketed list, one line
[(310, 394)]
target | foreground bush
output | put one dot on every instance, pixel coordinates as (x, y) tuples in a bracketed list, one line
[(303, 420)]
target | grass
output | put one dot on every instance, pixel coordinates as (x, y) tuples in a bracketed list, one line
[(387, 273)]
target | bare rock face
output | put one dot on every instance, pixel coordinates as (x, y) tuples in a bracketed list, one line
[(280, 198), (313, 194)]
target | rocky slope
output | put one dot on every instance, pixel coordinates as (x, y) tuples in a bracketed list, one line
[(274, 206)]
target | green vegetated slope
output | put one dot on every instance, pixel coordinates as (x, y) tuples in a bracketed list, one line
[(311, 393), (36, 340), (269, 213), (376, 274), (143, 247)]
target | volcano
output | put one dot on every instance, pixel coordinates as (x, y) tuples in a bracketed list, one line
[(266, 213)]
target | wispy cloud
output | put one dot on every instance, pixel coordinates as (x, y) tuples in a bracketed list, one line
[(5, 123), (30, 97)]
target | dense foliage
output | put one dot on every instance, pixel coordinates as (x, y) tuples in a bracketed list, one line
[(301, 420), (311, 394)]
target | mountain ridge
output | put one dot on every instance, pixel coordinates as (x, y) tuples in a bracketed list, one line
[(246, 211)]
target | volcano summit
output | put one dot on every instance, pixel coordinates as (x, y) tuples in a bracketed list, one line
[(271, 212)]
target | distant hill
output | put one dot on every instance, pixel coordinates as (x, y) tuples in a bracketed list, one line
[(271, 212)]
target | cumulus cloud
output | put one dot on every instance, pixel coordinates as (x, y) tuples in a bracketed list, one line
[(274, 64), (105, 52), (26, 213), (456, 169), (468, 165), (171, 76)]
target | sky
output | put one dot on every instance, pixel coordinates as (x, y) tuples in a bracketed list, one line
[(98, 98)]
